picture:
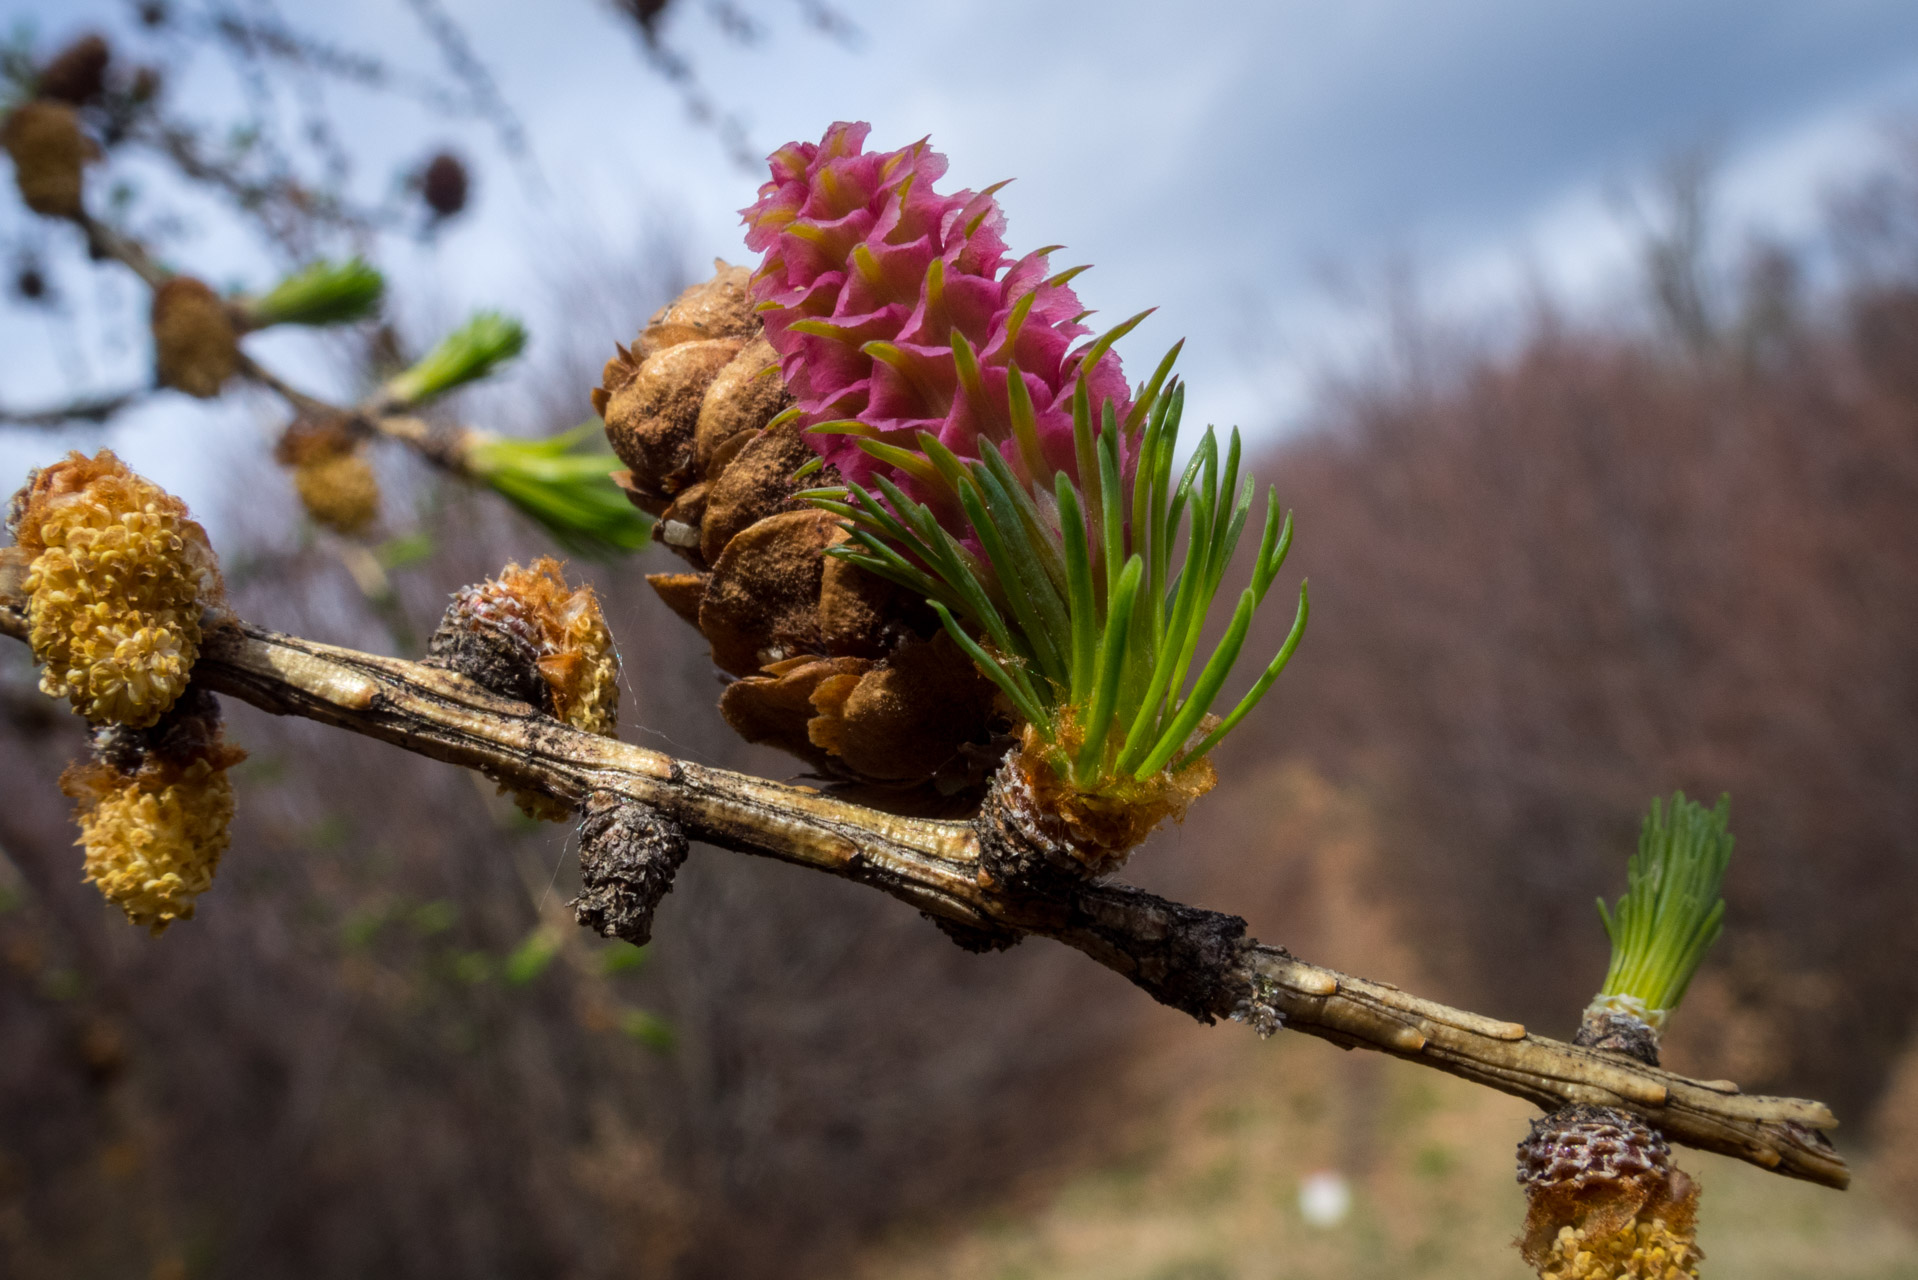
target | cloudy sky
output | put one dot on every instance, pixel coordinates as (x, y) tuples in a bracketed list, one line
[(1222, 161)]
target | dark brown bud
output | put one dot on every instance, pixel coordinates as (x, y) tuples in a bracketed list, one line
[(647, 13), (628, 855), (443, 184), (1580, 1146), (77, 73), (492, 635), (527, 635), (30, 283)]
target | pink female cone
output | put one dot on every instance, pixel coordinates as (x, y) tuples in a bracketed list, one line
[(875, 289)]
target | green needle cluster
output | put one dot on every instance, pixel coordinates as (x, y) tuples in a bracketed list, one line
[(320, 293), (1076, 594), (563, 487), (469, 353), (1671, 912)]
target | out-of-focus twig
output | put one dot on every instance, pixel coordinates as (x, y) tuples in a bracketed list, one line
[(94, 409), (443, 446)]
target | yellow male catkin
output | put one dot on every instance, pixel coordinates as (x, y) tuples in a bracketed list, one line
[(153, 807), (117, 578), (331, 473)]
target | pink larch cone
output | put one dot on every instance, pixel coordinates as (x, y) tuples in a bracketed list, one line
[(870, 279)]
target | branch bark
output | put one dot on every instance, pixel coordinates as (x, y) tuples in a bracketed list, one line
[(1195, 960)]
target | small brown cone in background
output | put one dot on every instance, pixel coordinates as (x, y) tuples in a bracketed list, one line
[(1604, 1200), (50, 153), (840, 668), (77, 73), (444, 185), (331, 472), (195, 346)]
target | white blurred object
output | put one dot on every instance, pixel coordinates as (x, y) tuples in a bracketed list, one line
[(1325, 1198)]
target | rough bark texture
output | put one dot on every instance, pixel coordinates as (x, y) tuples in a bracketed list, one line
[(628, 855), (1190, 958), (1619, 1032)]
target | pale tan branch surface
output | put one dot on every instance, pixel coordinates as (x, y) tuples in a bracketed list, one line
[(1195, 960)]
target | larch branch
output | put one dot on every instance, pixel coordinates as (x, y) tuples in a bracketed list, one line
[(1196, 960)]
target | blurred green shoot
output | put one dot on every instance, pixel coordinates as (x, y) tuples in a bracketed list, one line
[(565, 487), (322, 292), (1078, 602), (435, 917), (469, 967), (359, 929), (1671, 912), (404, 551), (531, 957), (648, 1029), (622, 957), (469, 353)]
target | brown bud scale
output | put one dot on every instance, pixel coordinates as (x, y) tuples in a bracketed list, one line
[(840, 668)]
